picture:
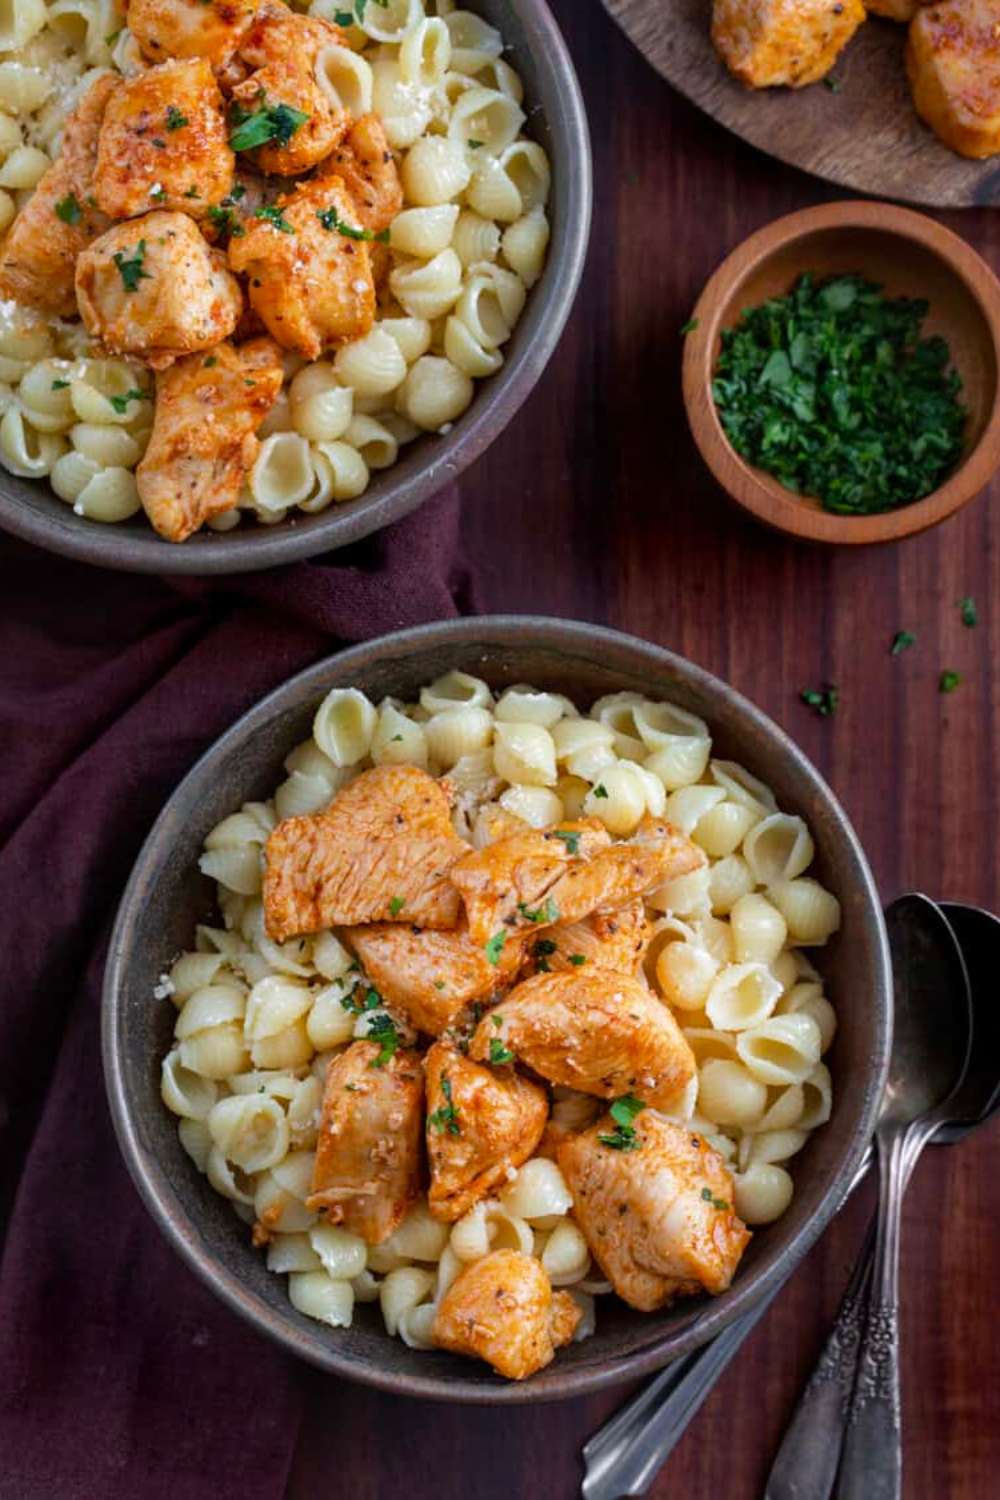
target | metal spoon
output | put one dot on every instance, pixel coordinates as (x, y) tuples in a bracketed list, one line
[(624, 1456)]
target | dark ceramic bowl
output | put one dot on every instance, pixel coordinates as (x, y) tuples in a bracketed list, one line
[(166, 897), (556, 119)]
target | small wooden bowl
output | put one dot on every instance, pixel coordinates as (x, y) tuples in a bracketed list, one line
[(909, 255)]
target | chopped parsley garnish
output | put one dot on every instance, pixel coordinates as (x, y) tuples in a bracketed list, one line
[(833, 84), (121, 403), (499, 1054), (948, 682), (238, 191), (68, 209), (494, 947), (158, 194), (571, 840), (109, 41), (130, 269), (497, 1021), (193, 192), (331, 220), (439, 984), (396, 739), (396, 905), (542, 951), (272, 213), (709, 1197), (823, 701), (271, 123), (600, 790), (343, 17), (371, 1001), (547, 913), (474, 145), (445, 1118), (833, 390), (689, 326), (383, 1030), (225, 220), (902, 641), (623, 1112), (210, 362), (175, 120), (969, 612), (60, 385), (577, 959)]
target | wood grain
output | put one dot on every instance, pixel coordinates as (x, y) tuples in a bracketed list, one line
[(866, 135), (594, 505)]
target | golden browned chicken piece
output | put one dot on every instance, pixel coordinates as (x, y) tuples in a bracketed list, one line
[(502, 1309), (367, 1171), (153, 287), (311, 285), (38, 259), (614, 940), (380, 852), (164, 143), (601, 1033), (430, 976), (189, 28), (481, 1125), (208, 408), (534, 880), (658, 1213), (368, 169), (766, 43), (953, 59)]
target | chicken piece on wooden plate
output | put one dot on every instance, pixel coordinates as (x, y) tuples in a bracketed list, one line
[(481, 1125), (208, 408), (656, 1209), (768, 43), (614, 940), (953, 59), (380, 852), (189, 28), (155, 288), (164, 143), (368, 1167), (311, 285), (38, 260), (430, 976), (502, 1309), (600, 1033), (368, 170), (534, 880)]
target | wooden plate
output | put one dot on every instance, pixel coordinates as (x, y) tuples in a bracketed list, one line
[(866, 137)]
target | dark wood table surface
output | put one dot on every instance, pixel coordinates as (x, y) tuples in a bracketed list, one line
[(594, 505)]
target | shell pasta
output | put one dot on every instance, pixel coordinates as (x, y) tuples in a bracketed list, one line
[(289, 1029)]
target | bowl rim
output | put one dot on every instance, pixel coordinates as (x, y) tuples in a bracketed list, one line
[(758, 492), (502, 395), (148, 1172)]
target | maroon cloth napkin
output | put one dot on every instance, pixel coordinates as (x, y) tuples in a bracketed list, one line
[(120, 1375)]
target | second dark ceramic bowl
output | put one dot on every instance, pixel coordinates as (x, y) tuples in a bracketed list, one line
[(166, 897), (557, 120)]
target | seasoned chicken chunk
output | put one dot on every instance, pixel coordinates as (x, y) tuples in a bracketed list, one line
[(311, 285), (367, 1171), (380, 852), (792, 42), (208, 408), (368, 169), (481, 1124), (658, 1216), (38, 259), (164, 143), (613, 940), (189, 28), (283, 49), (953, 60), (534, 880), (502, 1309), (601, 1033), (430, 976), (153, 287)]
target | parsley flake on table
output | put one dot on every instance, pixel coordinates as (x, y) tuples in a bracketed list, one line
[(494, 947), (833, 390), (902, 641), (446, 1117), (823, 701), (623, 1112), (130, 267), (949, 681), (969, 612), (68, 209), (331, 220), (175, 120), (499, 1054), (269, 124)]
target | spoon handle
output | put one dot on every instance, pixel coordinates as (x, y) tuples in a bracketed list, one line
[(871, 1466)]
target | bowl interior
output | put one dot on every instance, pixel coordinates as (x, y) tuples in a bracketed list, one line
[(556, 120), (166, 897)]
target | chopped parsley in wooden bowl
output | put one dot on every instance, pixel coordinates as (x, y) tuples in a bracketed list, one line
[(841, 373)]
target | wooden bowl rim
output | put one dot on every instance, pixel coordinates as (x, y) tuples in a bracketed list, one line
[(759, 493)]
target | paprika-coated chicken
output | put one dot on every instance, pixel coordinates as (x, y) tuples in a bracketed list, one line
[(189, 28), (502, 1309), (657, 1213), (613, 940), (953, 60), (380, 852), (482, 1123), (368, 1164), (367, 167), (783, 42), (600, 1033)]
